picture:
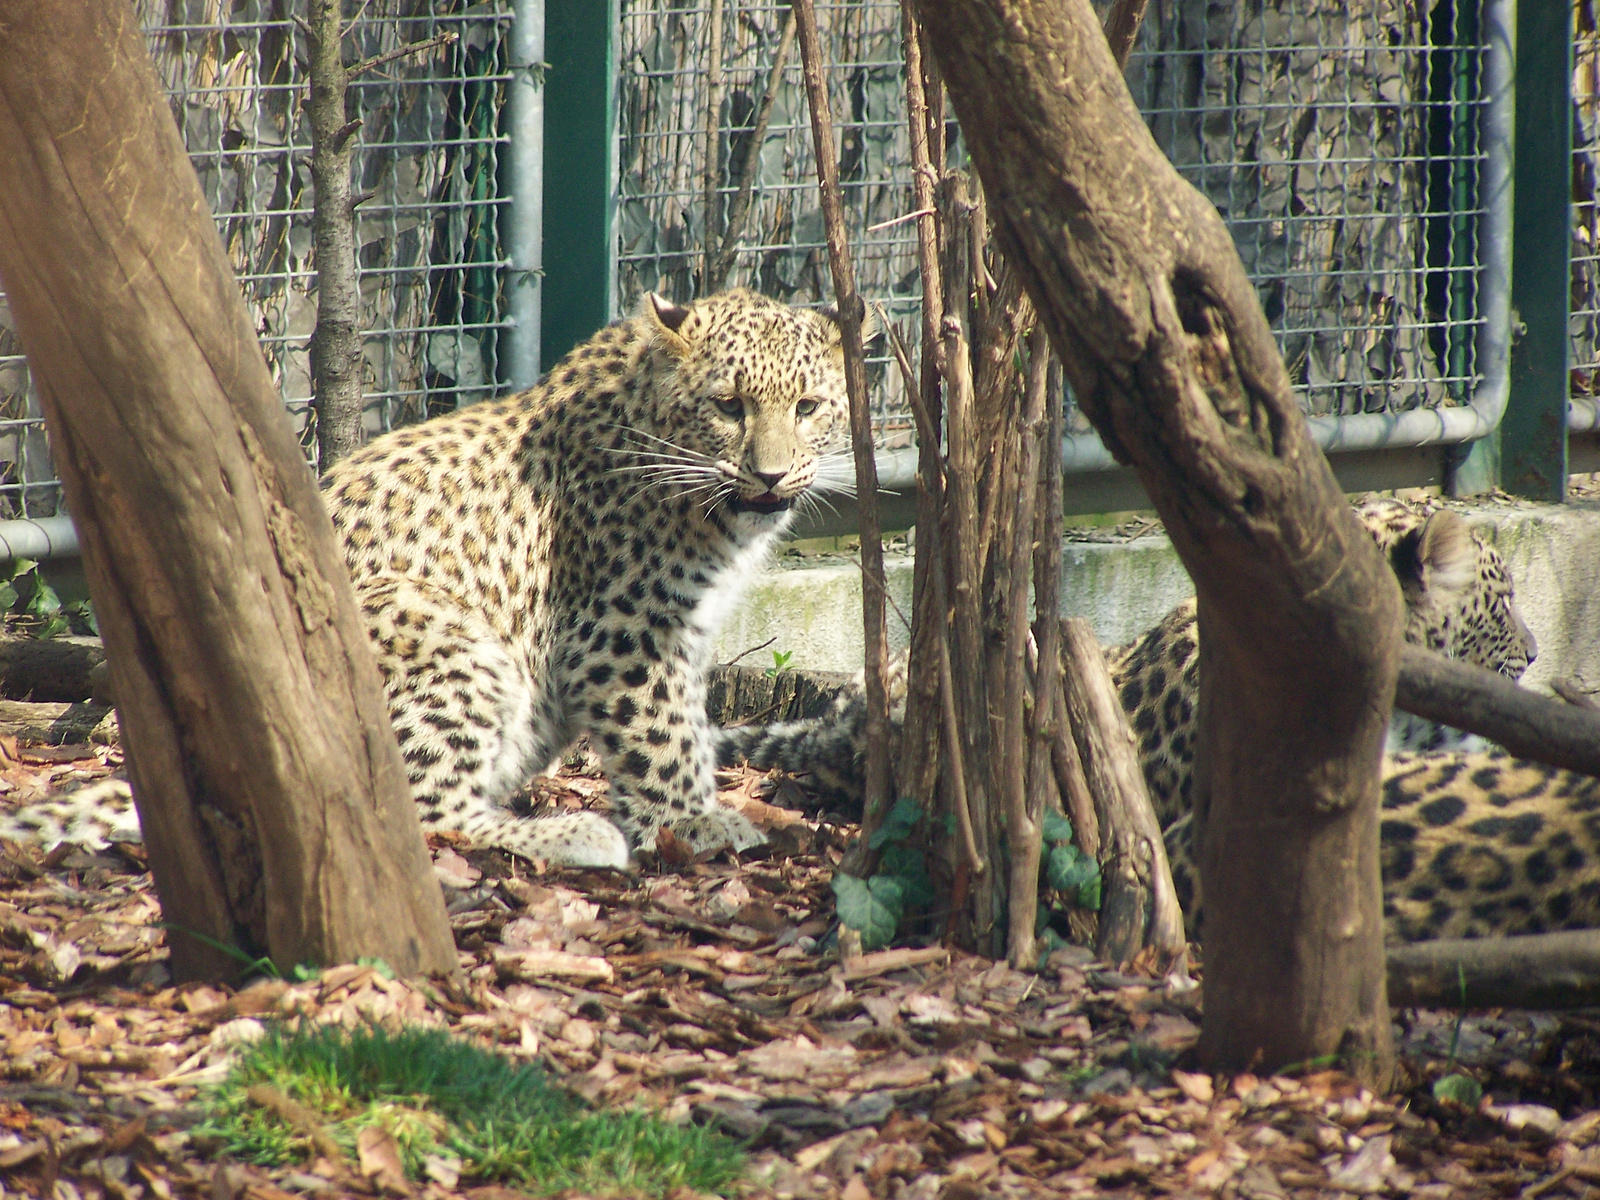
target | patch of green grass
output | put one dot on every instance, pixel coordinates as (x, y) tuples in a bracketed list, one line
[(439, 1094)]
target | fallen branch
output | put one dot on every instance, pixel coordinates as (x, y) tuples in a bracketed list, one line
[(302, 1120), (1524, 722), (1544, 970), (881, 962)]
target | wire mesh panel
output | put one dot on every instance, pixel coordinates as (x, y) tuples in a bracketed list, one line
[(1584, 318), (429, 100), (1340, 143), (687, 170)]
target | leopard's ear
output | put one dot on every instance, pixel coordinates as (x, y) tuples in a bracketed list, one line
[(1436, 561), (673, 329), (835, 331)]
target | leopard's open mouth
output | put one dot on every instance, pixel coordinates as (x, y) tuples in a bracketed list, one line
[(774, 504)]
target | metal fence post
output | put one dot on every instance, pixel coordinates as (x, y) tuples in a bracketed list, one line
[(580, 122), (523, 237), (1533, 438)]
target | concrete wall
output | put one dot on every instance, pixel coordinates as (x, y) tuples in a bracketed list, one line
[(1553, 552), (812, 607)]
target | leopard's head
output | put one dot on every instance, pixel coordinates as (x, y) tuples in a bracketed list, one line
[(1459, 598), (749, 401)]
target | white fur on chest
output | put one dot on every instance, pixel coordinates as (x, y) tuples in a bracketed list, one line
[(727, 588)]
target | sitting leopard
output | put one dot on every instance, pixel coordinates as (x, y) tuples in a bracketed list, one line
[(558, 562), (1474, 842)]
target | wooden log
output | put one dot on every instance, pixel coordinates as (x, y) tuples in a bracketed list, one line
[(56, 724), (1524, 722), (749, 695), (1545, 970), (48, 670), (271, 793)]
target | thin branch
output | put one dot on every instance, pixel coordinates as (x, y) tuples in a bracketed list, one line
[(713, 158), (851, 315), (389, 56), (1122, 28), (923, 762), (750, 651), (739, 210), (930, 480), (900, 220), (1023, 824), (336, 361)]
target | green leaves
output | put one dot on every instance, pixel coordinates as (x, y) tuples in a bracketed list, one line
[(1068, 869), (872, 907), (909, 866), (1071, 871), (1458, 1089), (1056, 827), (25, 593), (899, 825), (780, 663)]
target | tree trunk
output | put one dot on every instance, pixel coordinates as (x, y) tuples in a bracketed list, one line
[(272, 796), (336, 363), (1172, 360)]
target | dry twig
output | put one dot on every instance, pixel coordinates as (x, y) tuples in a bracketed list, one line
[(852, 314)]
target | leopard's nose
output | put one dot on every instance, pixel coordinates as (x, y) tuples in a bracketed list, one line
[(771, 478)]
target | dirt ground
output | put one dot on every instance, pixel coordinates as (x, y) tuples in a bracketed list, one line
[(711, 992)]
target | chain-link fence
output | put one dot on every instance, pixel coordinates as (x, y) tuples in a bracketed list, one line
[(1341, 144), (1584, 314), (428, 226)]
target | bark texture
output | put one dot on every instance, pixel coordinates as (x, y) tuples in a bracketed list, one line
[(273, 798), (1161, 335)]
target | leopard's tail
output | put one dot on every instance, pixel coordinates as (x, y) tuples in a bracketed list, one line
[(94, 816), (830, 749)]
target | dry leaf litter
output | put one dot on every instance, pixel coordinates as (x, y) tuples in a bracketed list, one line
[(706, 992)]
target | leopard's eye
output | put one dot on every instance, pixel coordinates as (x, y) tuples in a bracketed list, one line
[(729, 406), (806, 407)]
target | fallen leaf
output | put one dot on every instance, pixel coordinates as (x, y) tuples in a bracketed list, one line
[(379, 1156)]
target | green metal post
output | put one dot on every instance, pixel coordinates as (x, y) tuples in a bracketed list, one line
[(580, 174), (1533, 436)]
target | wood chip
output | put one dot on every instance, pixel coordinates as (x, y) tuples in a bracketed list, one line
[(881, 962), (551, 964)]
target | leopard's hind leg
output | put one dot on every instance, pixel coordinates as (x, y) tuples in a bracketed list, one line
[(473, 725)]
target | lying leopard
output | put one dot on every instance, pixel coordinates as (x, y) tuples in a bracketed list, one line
[(557, 563), (1474, 842)]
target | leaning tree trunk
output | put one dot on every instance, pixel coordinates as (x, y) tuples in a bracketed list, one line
[(272, 795), (1171, 358)]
